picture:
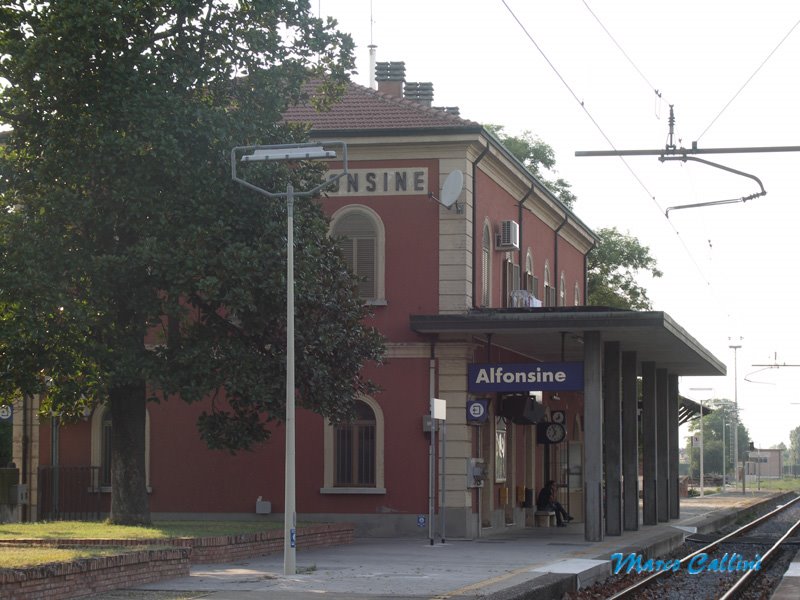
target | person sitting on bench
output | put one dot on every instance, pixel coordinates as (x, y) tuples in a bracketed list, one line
[(546, 500)]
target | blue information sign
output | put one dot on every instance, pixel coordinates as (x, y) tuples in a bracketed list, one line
[(525, 377), (292, 537), (477, 410)]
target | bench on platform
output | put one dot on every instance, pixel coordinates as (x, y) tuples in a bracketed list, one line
[(544, 518)]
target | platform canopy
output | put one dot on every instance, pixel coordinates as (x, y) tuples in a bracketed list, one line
[(556, 334), (689, 409)]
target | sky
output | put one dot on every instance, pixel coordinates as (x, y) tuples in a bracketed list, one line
[(586, 75)]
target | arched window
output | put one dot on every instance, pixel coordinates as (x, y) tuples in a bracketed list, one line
[(531, 281), (102, 442), (549, 292), (562, 290), (361, 237), (105, 449), (486, 266), (577, 296), (354, 452)]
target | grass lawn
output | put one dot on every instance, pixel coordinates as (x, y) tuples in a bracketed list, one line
[(17, 558), (789, 484), (106, 531)]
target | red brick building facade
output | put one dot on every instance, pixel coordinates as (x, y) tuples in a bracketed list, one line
[(505, 254)]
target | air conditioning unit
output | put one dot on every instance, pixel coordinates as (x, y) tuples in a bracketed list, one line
[(508, 238)]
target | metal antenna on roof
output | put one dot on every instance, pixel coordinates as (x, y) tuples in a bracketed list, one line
[(373, 82)]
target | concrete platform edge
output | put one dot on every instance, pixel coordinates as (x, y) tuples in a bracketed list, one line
[(552, 586)]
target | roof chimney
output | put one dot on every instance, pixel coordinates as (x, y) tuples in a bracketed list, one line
[(372, 58), (450, 110), (390, 77), (421, 92)]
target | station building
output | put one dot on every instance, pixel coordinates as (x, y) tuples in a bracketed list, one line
[(476, 275)]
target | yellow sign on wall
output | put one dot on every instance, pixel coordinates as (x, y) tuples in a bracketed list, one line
[(380, 182)]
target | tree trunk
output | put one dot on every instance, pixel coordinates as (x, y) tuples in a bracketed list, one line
[(129, 501)]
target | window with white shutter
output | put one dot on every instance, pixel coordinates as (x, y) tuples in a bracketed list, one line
[(360, 236), (549, 293), (486, 266)]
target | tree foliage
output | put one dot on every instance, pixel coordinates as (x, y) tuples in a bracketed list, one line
[(613, 268), (794, 446), (539, 158), (713, 424), (131, 267)]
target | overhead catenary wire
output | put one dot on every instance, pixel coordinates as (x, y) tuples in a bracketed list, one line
[(749, 79), (607, 139), (577, 99), (658, 93)]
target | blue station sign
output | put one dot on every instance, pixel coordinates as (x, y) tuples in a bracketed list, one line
[(525, 377), (477, 410)]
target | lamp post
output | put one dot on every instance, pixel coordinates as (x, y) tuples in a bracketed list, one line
[(702, 439), (735, 453), (702, 443), (724, 465), (288, 152)]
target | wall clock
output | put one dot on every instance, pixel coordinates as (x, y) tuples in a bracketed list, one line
[(548, 432), (555, 433)]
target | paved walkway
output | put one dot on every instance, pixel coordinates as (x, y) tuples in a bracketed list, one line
[(495, 566)]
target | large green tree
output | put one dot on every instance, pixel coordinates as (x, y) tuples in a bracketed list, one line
[(131, 267), (539, 158), (713, 424), (614, 267), (794, 450)]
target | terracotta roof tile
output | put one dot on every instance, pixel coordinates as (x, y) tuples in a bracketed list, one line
[(365, 109)]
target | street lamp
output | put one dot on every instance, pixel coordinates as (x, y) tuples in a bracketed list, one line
[(702, 444), (284, 152), (736, 347), (702, 438), (724, 465)]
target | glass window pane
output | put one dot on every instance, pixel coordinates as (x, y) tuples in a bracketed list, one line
[(355, 449)]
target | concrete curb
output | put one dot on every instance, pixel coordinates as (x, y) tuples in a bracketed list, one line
[(553, 583)]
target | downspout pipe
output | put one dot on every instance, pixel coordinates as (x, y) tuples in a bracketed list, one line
[(556, 272), (521, 202), (432, 445), (475, 223)]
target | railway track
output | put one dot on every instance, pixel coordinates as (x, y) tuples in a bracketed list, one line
[(725, 568)]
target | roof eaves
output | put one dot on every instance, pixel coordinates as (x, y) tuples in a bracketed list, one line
[(495, 141), (396, 132)]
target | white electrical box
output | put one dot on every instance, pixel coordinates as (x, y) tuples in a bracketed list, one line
[(263, 507), (476, 472), (508, 237)]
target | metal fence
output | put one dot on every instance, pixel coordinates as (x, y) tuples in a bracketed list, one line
[(69, 493), (791, 471)]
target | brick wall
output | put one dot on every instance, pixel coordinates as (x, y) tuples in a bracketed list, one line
[(90, 576), (94, 575), (225, 548), (232, 548)]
